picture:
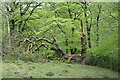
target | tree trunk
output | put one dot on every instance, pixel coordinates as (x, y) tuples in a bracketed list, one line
[(9, 40), (56, 48), (97, 25), (83, 40), (87, 25), (1, 31), (72, 50), (66, 45)]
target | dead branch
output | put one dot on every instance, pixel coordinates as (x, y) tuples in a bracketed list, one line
[(53, 42)]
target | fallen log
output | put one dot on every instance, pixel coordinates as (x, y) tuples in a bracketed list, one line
[(73, 57)]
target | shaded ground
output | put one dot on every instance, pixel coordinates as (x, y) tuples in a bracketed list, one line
[(54, 70)]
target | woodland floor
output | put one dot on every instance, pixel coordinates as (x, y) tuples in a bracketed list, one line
[(54, 70)]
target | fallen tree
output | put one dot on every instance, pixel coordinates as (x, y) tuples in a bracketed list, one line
[(73, 57), (33, 42)]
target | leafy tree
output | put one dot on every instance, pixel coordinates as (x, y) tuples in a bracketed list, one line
[(57, 29)]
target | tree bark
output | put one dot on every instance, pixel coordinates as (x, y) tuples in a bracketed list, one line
[(9, 38), (83, 39), (56, 48), (97, 25), (87, 25)]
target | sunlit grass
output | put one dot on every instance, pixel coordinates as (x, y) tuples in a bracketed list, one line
[(54, 70)]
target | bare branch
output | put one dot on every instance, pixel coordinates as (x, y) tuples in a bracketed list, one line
[(113, 16), (44, 40)]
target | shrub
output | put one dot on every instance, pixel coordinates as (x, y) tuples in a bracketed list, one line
[(105, 62), (26, 57), (49, 74)]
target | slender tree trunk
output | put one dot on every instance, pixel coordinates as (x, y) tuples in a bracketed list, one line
[(4, 25), (89, 32), (87, 25), (3, 16), (72, 50), (1, 31), (1, 36), (9, 40), (83, 39), (89, 39), (66, 42), (97, 25)]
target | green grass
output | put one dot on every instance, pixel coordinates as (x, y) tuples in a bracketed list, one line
[(54, 70)]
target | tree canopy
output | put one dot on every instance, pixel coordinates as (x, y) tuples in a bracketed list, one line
[(87, 29)]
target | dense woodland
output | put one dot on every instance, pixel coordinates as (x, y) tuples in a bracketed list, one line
[(70, 32)]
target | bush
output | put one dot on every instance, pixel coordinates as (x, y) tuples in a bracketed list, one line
[(105, 62), (9, 58), (26, 57), (106, 53), (49, 74)]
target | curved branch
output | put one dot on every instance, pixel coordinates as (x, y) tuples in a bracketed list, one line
[(40, 39), (113, 16)]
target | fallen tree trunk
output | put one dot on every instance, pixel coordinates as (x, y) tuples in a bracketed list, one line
[(73, 57), (57, 48), (54, 42)]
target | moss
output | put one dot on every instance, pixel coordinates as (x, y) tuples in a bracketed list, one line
[(49, 74)]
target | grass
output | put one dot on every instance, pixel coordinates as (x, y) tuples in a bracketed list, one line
[(54, 70)]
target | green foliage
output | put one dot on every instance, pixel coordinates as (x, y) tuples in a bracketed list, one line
[(50, 74), (105, 62), (29, 57), (106, 53), (61, 20), (26, 57)]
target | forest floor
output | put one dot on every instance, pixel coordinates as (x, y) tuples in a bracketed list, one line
[(54, 70)]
